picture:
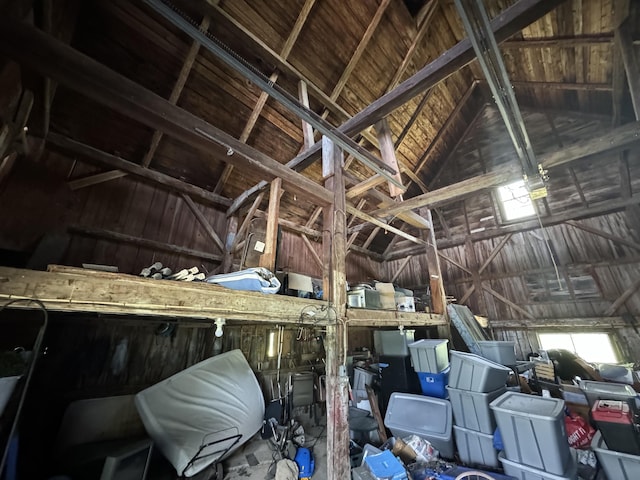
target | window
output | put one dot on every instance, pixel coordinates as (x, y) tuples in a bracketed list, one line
[(515, 201), (593, 347)]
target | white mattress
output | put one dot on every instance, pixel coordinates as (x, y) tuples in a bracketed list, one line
[(212, 400)]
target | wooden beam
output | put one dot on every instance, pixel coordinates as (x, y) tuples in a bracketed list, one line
[(467, 295), (69, 289), (508, 302), (202, 220), (157, 135), (594, 210), (603, 234), (264, 96), (97, 156), (362, 45), (422, 30), (385, 226), (268, 257), (362, 317), (47, 56), (559, 42), (622, 299), (143, 242), (498, 248), (624, 43), (367, 253), (335, 288), (472, 261), (371, 237), (594, 323), (436, 284), (307, 128), (511, 21), (442, 131), (244, 226), (312, 250), (566, 86), (618, 138), (414, 116), (400, 268), (388, 154), (230, 237)]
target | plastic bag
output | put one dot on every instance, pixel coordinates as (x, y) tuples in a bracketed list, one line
[(423, 449), (579, 432)]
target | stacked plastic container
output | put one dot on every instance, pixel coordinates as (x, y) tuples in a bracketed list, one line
[(534, 437), (474, 383), (617, 465), (430, 359)]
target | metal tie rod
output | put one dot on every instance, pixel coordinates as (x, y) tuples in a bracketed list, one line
[(234, 61), (478, 28)]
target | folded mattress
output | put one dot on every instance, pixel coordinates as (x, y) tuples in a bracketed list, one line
[(199, 415), (256, 279)]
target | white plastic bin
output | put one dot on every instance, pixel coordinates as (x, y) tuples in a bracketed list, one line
[(429, 356), (393, 342), (471, 409), (533, 431), (475, 448), (595, 391), (475, 373), (617, 465), (523, 472), (501, 352), (427, 417)]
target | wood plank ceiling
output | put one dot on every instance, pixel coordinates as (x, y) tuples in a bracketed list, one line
[(352, 53)]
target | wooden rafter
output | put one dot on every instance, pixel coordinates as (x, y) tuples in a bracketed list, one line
[(400, 268), (622, 299), (187, 65), (616, 139), (45, 55), (202, 220), (264, 96), (106, 159), (603, 234)]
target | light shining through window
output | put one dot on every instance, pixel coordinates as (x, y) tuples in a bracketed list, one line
[(592, 347), (516, 202)]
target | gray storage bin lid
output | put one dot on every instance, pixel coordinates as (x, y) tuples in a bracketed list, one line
[(617, 391), (521, 404), (419, 414)]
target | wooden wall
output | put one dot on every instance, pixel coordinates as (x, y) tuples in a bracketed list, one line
[(564, 274), (35, 199)]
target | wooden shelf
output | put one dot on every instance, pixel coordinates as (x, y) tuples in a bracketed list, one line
[(70, 289), (378, 318)]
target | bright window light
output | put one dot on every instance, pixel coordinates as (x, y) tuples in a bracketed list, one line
[(592, 347), (515, 200)]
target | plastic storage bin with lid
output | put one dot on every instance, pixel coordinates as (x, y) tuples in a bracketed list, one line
[(533, 431), (617, 466), (502, 352), (429, 355), (475, 373), (475, 448), (471, 409), (595, 391), (427, 417), (524, 472)]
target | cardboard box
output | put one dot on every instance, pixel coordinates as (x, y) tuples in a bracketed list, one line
[(387, 295)]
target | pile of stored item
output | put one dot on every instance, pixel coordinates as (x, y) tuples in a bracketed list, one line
[(464, 416)]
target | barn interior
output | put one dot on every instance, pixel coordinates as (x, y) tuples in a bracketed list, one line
[(488, 164)]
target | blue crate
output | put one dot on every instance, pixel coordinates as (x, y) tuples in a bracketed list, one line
[(434, 384)]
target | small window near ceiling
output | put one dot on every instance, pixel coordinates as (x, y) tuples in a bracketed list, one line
[(592, 347), (515, 201)]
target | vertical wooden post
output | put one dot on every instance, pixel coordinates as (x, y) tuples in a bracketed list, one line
[(334, 242), (470, 253), (229, 242), (307, 128), (268, 257), (438, 297)]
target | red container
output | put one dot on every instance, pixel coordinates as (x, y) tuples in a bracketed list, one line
[(614, 419)]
